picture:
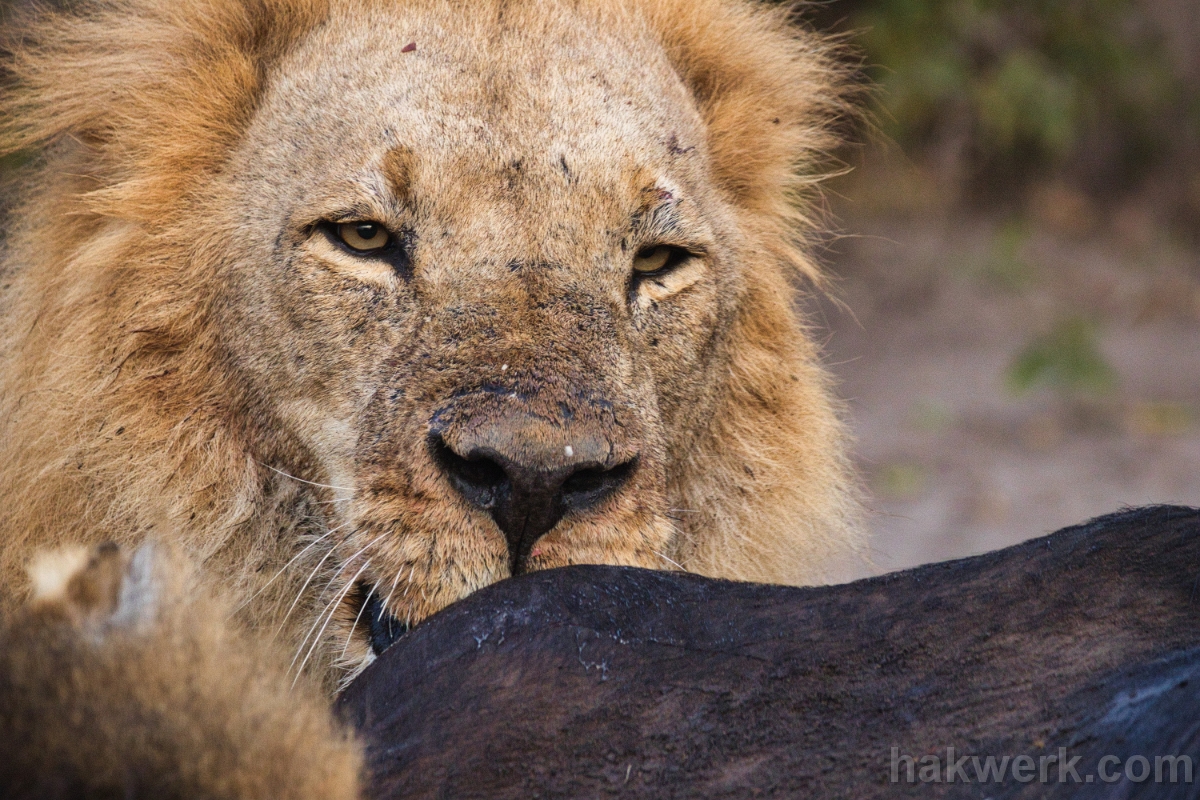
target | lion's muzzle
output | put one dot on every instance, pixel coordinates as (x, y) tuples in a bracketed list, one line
[(526, 470)]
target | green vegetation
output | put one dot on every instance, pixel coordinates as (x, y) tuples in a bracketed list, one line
[(901, 480), (1008, 91), (1067, 358)]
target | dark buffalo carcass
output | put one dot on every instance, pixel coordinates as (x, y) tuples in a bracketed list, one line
[(1071, 661)]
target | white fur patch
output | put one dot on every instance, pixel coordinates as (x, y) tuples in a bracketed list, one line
[(51, 571)]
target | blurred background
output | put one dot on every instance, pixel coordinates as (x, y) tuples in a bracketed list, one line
[(1016, 315), (1016, 323)]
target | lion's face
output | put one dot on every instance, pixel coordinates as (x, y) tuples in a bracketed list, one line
[(483, 301), (369, 303)]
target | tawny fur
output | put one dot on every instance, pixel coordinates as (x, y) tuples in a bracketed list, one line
[(179, 357), (123, 680)]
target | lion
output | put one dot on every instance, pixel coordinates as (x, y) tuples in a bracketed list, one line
[(366, 305)]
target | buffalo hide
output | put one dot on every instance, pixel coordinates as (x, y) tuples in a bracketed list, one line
[(598, 681)]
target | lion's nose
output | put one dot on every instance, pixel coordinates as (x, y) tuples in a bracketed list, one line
[(528, 486)]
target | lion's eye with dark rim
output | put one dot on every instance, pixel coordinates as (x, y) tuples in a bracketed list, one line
[(363, 237), (372, 240), (658, 259)]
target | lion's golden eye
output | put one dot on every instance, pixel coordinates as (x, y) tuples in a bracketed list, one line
[(363, 237), (656, 259)]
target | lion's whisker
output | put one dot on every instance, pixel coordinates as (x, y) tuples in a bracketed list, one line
[(301, 591), (676, 530), (395, 582), (328, 608), (293, 559), (354, 625), (408, 584), (356, 670), (668, 560), (360, 551), (332, 612), (310, 483), (344, 565)]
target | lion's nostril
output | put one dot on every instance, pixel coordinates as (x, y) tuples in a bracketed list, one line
[(477, 477), (528, 496), (586, 487)]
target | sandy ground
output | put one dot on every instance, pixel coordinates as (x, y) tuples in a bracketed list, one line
[(958, 462)]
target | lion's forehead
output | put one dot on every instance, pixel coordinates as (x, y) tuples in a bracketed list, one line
[(479, 102)]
